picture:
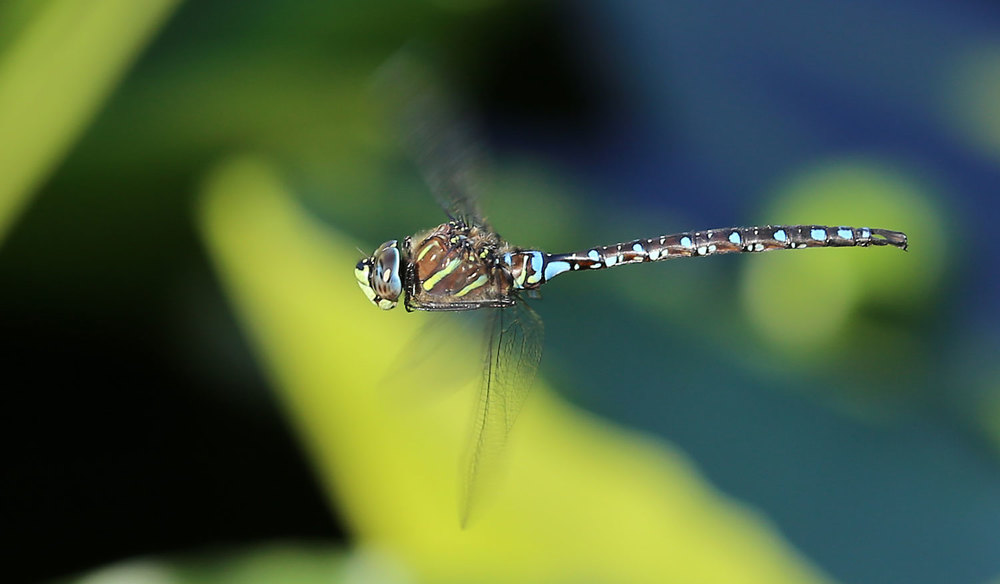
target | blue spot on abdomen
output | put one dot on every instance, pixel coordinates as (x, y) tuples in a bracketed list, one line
[(553, 269)]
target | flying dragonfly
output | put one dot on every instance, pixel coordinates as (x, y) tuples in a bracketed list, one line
[(463, 264)]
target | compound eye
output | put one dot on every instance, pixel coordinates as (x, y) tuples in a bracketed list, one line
[(386, 280), (379, 277)]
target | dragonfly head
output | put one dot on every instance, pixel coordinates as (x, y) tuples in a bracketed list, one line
[(379, 276)]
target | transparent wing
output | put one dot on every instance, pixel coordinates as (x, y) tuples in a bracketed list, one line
[(437, 133), (514, 347)]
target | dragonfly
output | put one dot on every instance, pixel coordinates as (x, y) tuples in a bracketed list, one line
[(463, 264)]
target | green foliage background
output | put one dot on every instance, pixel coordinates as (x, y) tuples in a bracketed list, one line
[(264, 140)]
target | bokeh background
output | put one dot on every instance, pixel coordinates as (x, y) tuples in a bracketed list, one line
[(194, 389)]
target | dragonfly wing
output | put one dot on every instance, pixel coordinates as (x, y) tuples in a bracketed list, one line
[(514, 348), (438, 134)]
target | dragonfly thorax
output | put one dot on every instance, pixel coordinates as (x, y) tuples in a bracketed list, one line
[(379, 276), (457, 264)]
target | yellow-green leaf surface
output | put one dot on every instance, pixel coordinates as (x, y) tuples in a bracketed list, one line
[(54, 75), (781, 293), (582, 500)]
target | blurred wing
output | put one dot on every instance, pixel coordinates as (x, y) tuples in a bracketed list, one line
[(437, 134), (514, 347)]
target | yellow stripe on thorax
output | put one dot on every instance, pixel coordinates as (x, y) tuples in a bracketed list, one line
[(440, 274), (477, 283), (426, 249)]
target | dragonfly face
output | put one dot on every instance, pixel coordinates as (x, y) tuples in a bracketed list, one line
[(379, 277)]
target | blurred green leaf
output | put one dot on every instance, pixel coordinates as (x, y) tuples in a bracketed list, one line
[(811, 307), (53, 78)]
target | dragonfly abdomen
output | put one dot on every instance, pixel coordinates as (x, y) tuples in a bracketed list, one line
[(538, 267)]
